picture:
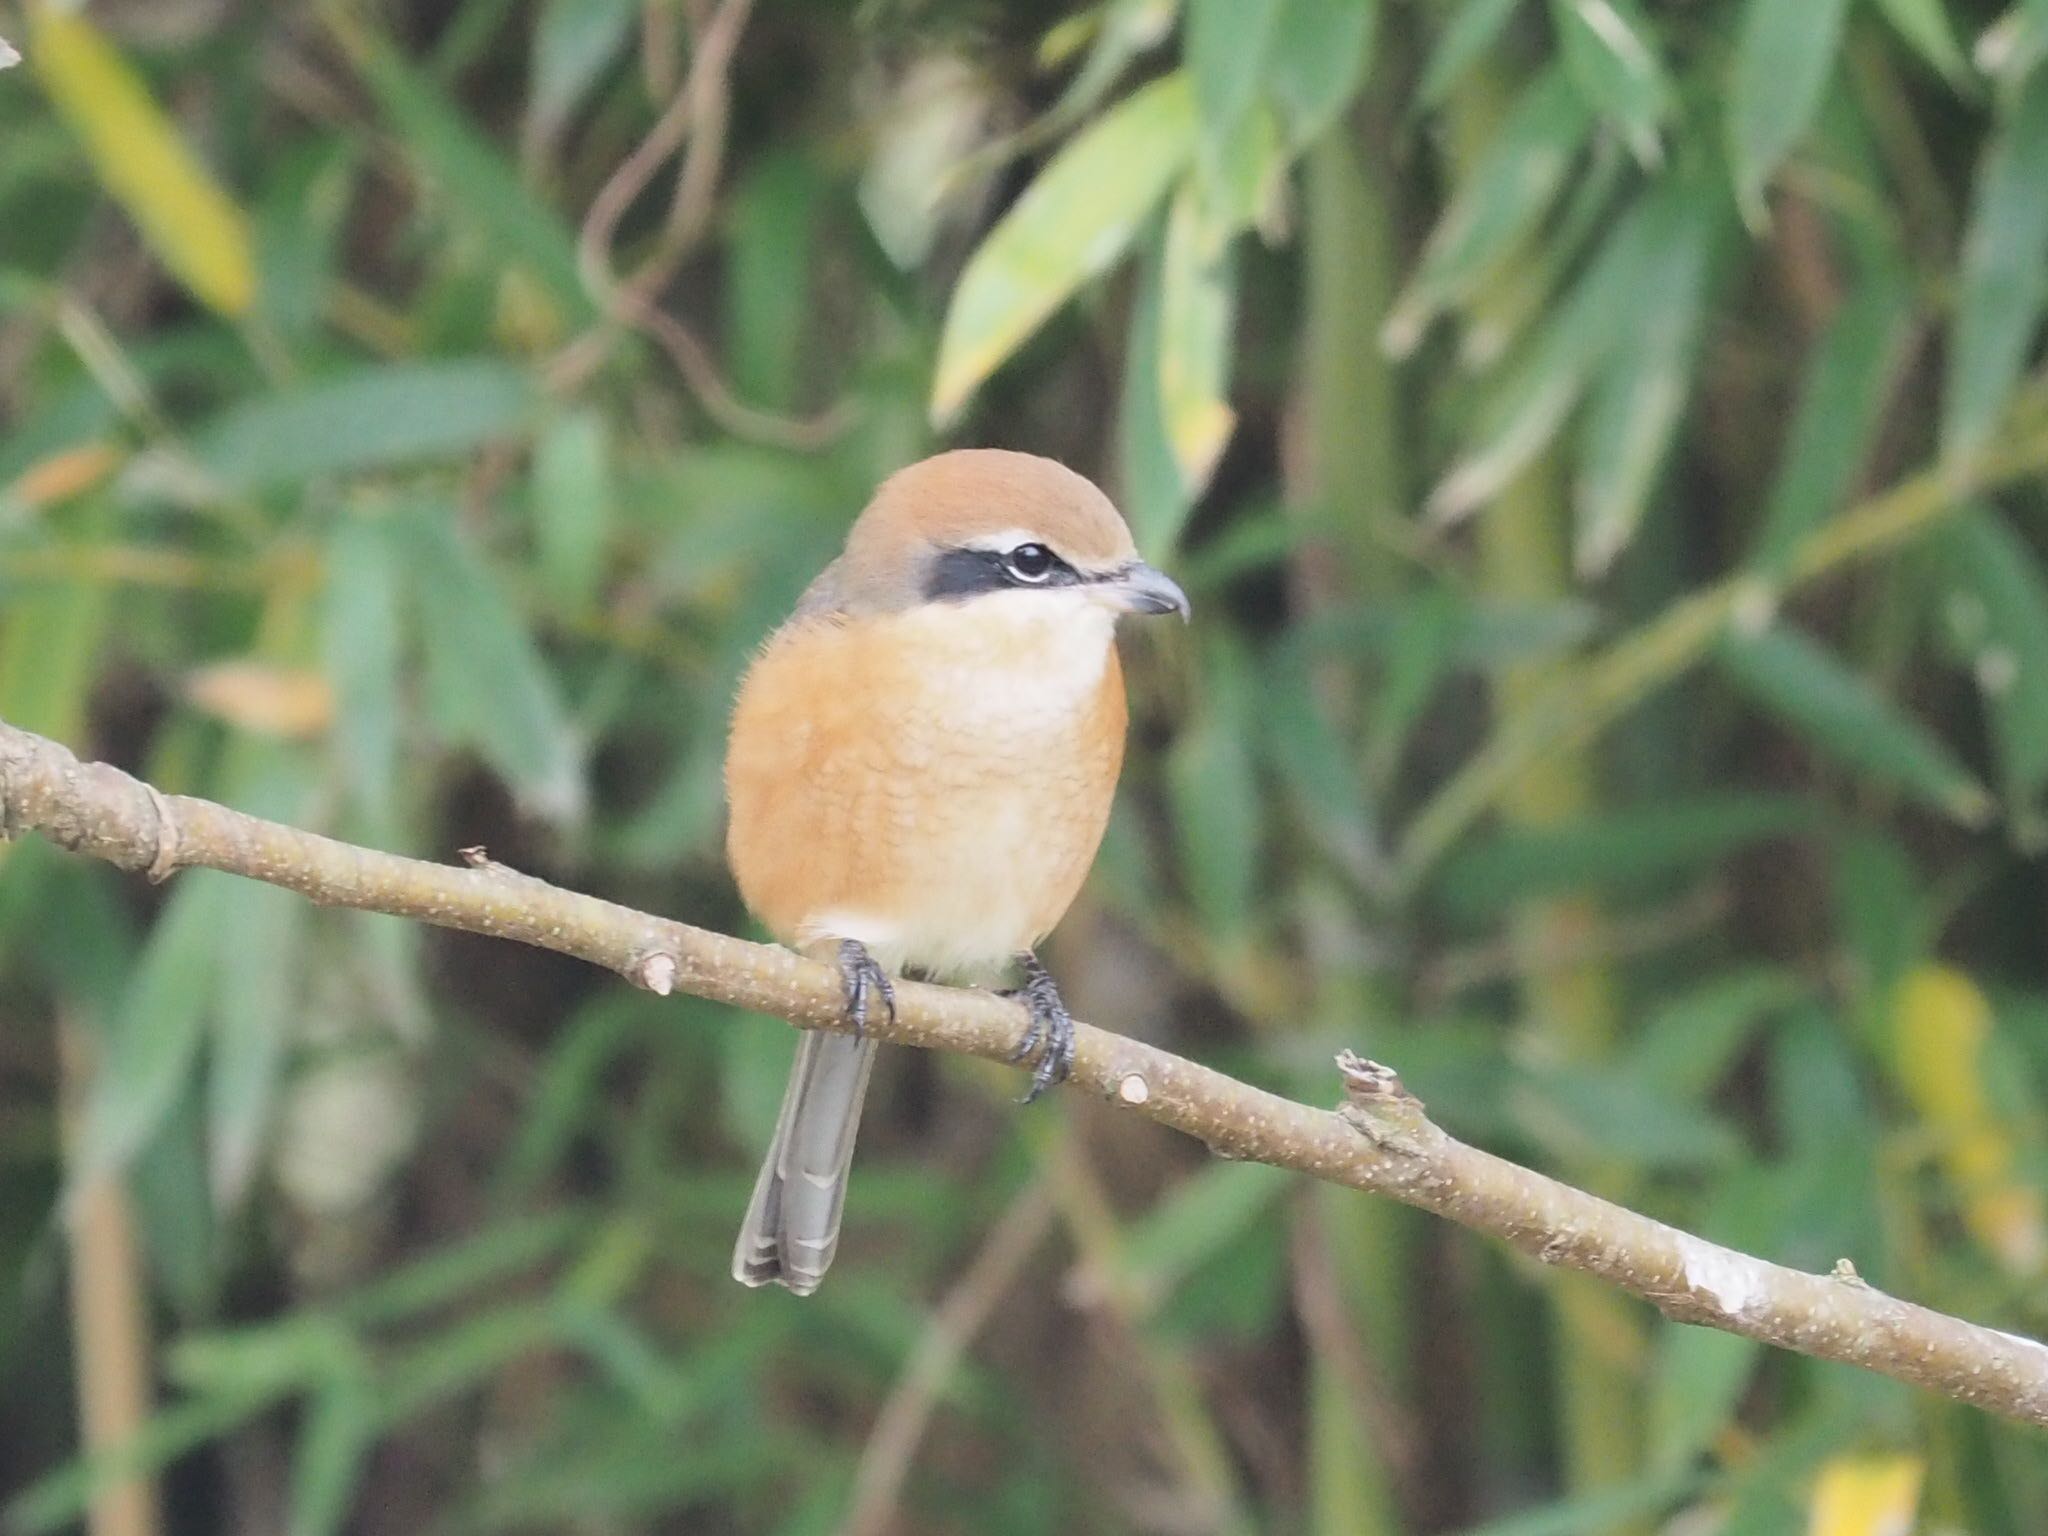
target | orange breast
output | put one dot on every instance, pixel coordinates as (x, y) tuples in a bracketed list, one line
[(933, 783)]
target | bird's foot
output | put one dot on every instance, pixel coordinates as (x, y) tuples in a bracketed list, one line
[(864, 981), (1051, 1035)]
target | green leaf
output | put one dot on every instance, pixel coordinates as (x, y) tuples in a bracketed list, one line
[(153, 1043), (334, 1436), (1930, 31), (1200, 1218), (1155, 498), (364, 644), (575, 507), (771, 239), (1320, 55), (1476, 28), (573, 41), (1072, 223), (1582, 1112), (2004, 274), (1840, 405), (1495, 207), (1533, 401), (1197, 303), (1612, 54), (1997, 607), (1641, 394), (1784, 57), (1216, 798), (1842, 715), (1687, 1044), (1614, 850), (468, 171), (373, 418), (1225, 44), (259, 1008), (487, 685)]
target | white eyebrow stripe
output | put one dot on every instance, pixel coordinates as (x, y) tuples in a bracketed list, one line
[(1005, 541)]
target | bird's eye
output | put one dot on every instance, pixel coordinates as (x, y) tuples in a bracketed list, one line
[(1031, 562)]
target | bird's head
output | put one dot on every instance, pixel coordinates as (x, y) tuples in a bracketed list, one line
[(980, 523)]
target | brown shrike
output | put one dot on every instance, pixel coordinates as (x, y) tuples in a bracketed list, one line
[(921, 766)]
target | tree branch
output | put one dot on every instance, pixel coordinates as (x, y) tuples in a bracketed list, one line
[(1379, 1140)]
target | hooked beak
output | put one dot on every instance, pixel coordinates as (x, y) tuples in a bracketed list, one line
[(1138, 588)]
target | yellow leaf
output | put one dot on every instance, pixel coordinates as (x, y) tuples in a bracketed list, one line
[(1866, 1496), (1071, 224), (188, 221), (1942, 1024), (289, 702)]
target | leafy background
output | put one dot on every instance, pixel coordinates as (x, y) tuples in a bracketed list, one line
[(1604, 442)]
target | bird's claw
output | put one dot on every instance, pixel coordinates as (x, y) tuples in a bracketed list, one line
[(864, 980), (1050, 1037)]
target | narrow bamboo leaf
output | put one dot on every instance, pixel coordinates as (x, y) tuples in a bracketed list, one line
[(573, 41), (772, 237), (1533, 401), (1321, 54), (1197, 303), (1216, 798), (1202, 1216), (154, 1038), (1071, 224), (1588, 1112), (2004, 274), (1475, 28), (1845, 717), (1930, 31), (1698, 1380), (1840, 405), (364, 646), (1688, 1044), (1997, 606), (1784, 58), (1642, 390), (259, 1005), (474, 178), (1154, 497), (192, 225), (1495, 207), (487, 685), (1613, 56), (334, 1436), (373, 418), (574, 507), (1615, 851), (1226, 44)]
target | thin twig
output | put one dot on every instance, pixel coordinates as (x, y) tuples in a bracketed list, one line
[(899, 1428), (1381, 1140), (697, 116)]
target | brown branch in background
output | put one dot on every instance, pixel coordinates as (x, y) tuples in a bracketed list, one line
[(698, 115), (109, 1319), (1380, 1140), (900, 1426)]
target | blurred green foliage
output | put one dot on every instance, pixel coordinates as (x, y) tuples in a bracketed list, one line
[(1605, 442)]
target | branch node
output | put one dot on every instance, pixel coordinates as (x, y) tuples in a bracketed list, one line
[(1845, 1271), (1380, 1108), (656, 971), (165, 864), (1133, 1089)]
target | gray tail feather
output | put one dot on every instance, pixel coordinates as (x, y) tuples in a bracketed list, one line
[(792, 1224)]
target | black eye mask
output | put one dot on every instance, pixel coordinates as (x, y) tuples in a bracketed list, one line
[(960, 573)]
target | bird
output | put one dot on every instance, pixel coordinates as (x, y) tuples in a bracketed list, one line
[(918, 773)]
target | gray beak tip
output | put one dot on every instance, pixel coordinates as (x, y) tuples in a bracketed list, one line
[(1145, 590)]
